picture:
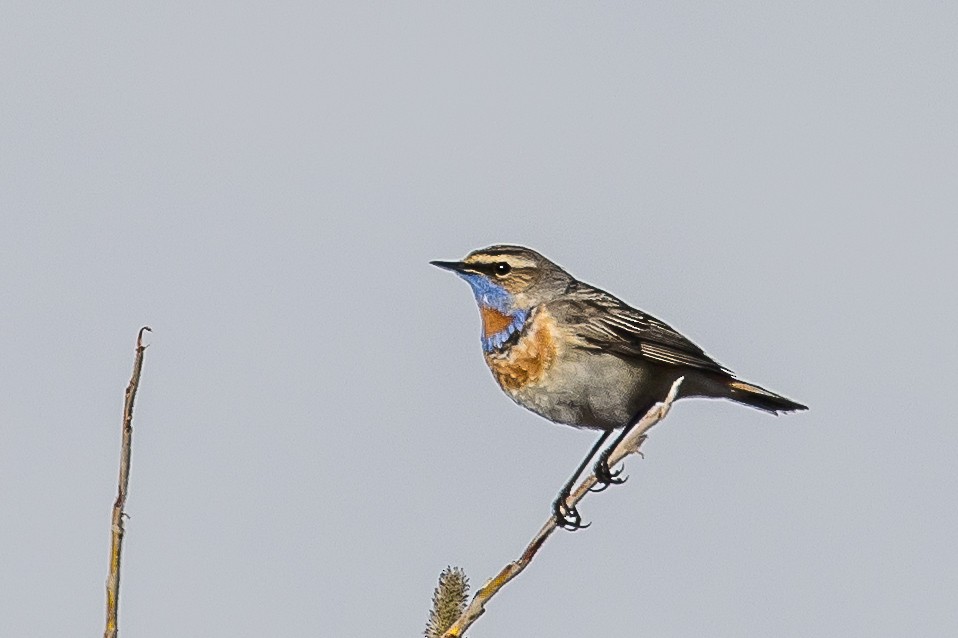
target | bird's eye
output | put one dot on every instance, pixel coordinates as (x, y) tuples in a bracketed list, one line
[(502, 269)]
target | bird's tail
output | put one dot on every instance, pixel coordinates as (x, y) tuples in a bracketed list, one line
[(758, 397)]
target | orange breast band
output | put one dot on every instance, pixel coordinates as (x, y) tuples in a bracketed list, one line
[(493, 321), (530, 358)]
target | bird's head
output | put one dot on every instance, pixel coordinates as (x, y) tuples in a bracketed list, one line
[(508, 282), (508, 278)]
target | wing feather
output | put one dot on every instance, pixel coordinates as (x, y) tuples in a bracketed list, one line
[(604, 322)]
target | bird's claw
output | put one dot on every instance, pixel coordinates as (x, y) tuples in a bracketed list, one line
[(567, 516), (606, 476)]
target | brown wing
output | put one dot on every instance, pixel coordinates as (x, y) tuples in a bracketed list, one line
[(606, 323)]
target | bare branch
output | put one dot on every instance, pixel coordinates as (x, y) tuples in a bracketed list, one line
[(629, 445), (116, 545)]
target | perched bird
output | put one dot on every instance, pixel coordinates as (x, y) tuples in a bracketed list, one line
[(577, 355)]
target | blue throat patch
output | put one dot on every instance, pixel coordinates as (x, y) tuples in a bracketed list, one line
[(492, 295)]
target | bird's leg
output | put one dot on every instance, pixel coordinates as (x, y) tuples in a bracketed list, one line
[(605, 475), (567, 517)]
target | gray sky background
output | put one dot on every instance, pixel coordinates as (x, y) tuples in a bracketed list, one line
[(317, 436)]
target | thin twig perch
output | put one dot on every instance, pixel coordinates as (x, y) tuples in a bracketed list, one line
[(116, 546), (629, 445)]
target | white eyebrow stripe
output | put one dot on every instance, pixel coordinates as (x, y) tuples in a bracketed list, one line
[(513, 260)]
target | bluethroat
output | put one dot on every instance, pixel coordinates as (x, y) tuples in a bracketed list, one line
[(577, 355)]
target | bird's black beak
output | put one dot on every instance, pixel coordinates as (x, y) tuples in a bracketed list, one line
[(455, 266)]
